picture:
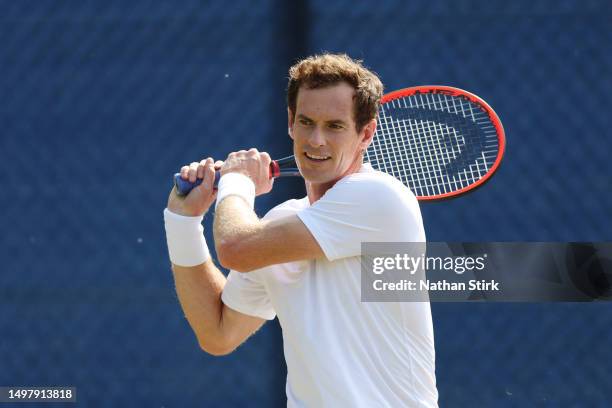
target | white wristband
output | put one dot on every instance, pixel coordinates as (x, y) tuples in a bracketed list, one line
[(236, 184), (185, 237)]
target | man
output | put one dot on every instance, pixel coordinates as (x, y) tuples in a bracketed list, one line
[(301, 262)]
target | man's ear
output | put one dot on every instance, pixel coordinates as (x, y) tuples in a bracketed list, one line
[(367, 134), (290, 118)]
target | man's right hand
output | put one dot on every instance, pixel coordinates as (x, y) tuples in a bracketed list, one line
[(199, 199)]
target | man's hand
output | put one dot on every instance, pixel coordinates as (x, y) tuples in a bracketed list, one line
[(199, 199), (252, 164)]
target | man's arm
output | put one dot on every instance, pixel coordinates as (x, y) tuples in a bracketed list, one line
[(244, 242), (375, 210), (218, 328)]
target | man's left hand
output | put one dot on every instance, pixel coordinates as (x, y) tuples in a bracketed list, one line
[(252, 164)]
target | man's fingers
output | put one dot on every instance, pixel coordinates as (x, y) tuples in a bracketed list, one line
[(193, 172), (185, 172), (265, 158), (252, 152), (196, 170), (204, 164), (209, 175), (200, 171)]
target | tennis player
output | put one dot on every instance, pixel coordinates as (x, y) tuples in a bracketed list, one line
[(301, 262)]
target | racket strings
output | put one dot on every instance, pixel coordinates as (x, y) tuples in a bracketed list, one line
[(434, 143)]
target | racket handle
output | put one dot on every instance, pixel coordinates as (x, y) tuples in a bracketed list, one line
[(183, 187)]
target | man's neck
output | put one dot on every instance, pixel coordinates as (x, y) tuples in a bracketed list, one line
[(316, 190)]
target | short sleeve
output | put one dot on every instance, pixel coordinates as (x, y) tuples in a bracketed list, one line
[(245, 293), (363, 208)]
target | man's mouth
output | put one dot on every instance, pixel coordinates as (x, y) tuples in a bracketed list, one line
[(315, 157)]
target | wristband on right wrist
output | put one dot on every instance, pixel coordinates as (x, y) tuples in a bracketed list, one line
[(185, 238)]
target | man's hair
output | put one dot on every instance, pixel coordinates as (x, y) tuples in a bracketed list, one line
[(320, 71)]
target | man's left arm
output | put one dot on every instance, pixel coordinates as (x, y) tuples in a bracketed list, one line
[(244, 242)]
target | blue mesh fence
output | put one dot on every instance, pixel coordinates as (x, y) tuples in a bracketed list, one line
[(103, 101)]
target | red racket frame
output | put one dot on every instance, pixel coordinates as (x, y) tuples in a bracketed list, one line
[(452, 91)]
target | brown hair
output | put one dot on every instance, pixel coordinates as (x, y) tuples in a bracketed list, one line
[(324, 70)]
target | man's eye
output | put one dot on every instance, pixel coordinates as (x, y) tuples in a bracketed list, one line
[(304, 122), (335, 126)]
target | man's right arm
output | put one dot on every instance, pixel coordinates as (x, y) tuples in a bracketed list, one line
[(218, 328)]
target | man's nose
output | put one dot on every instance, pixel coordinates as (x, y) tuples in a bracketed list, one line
[(317, 138)]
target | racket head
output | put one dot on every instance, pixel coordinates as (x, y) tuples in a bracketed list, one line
[(440, 141)]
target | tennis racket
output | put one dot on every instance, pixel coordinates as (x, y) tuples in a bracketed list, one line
[(439, 141)]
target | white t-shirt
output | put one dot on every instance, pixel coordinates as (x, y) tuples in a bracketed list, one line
[(342, 352)]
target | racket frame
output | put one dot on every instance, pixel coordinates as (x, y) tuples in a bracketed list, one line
[(457, 92)]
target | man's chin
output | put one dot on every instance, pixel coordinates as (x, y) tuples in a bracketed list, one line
[(318, 174), (314, 178)]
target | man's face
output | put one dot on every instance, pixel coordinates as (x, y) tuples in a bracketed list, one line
[(325, 140)]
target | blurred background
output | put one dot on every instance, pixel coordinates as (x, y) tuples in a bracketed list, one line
[(102, 101)]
